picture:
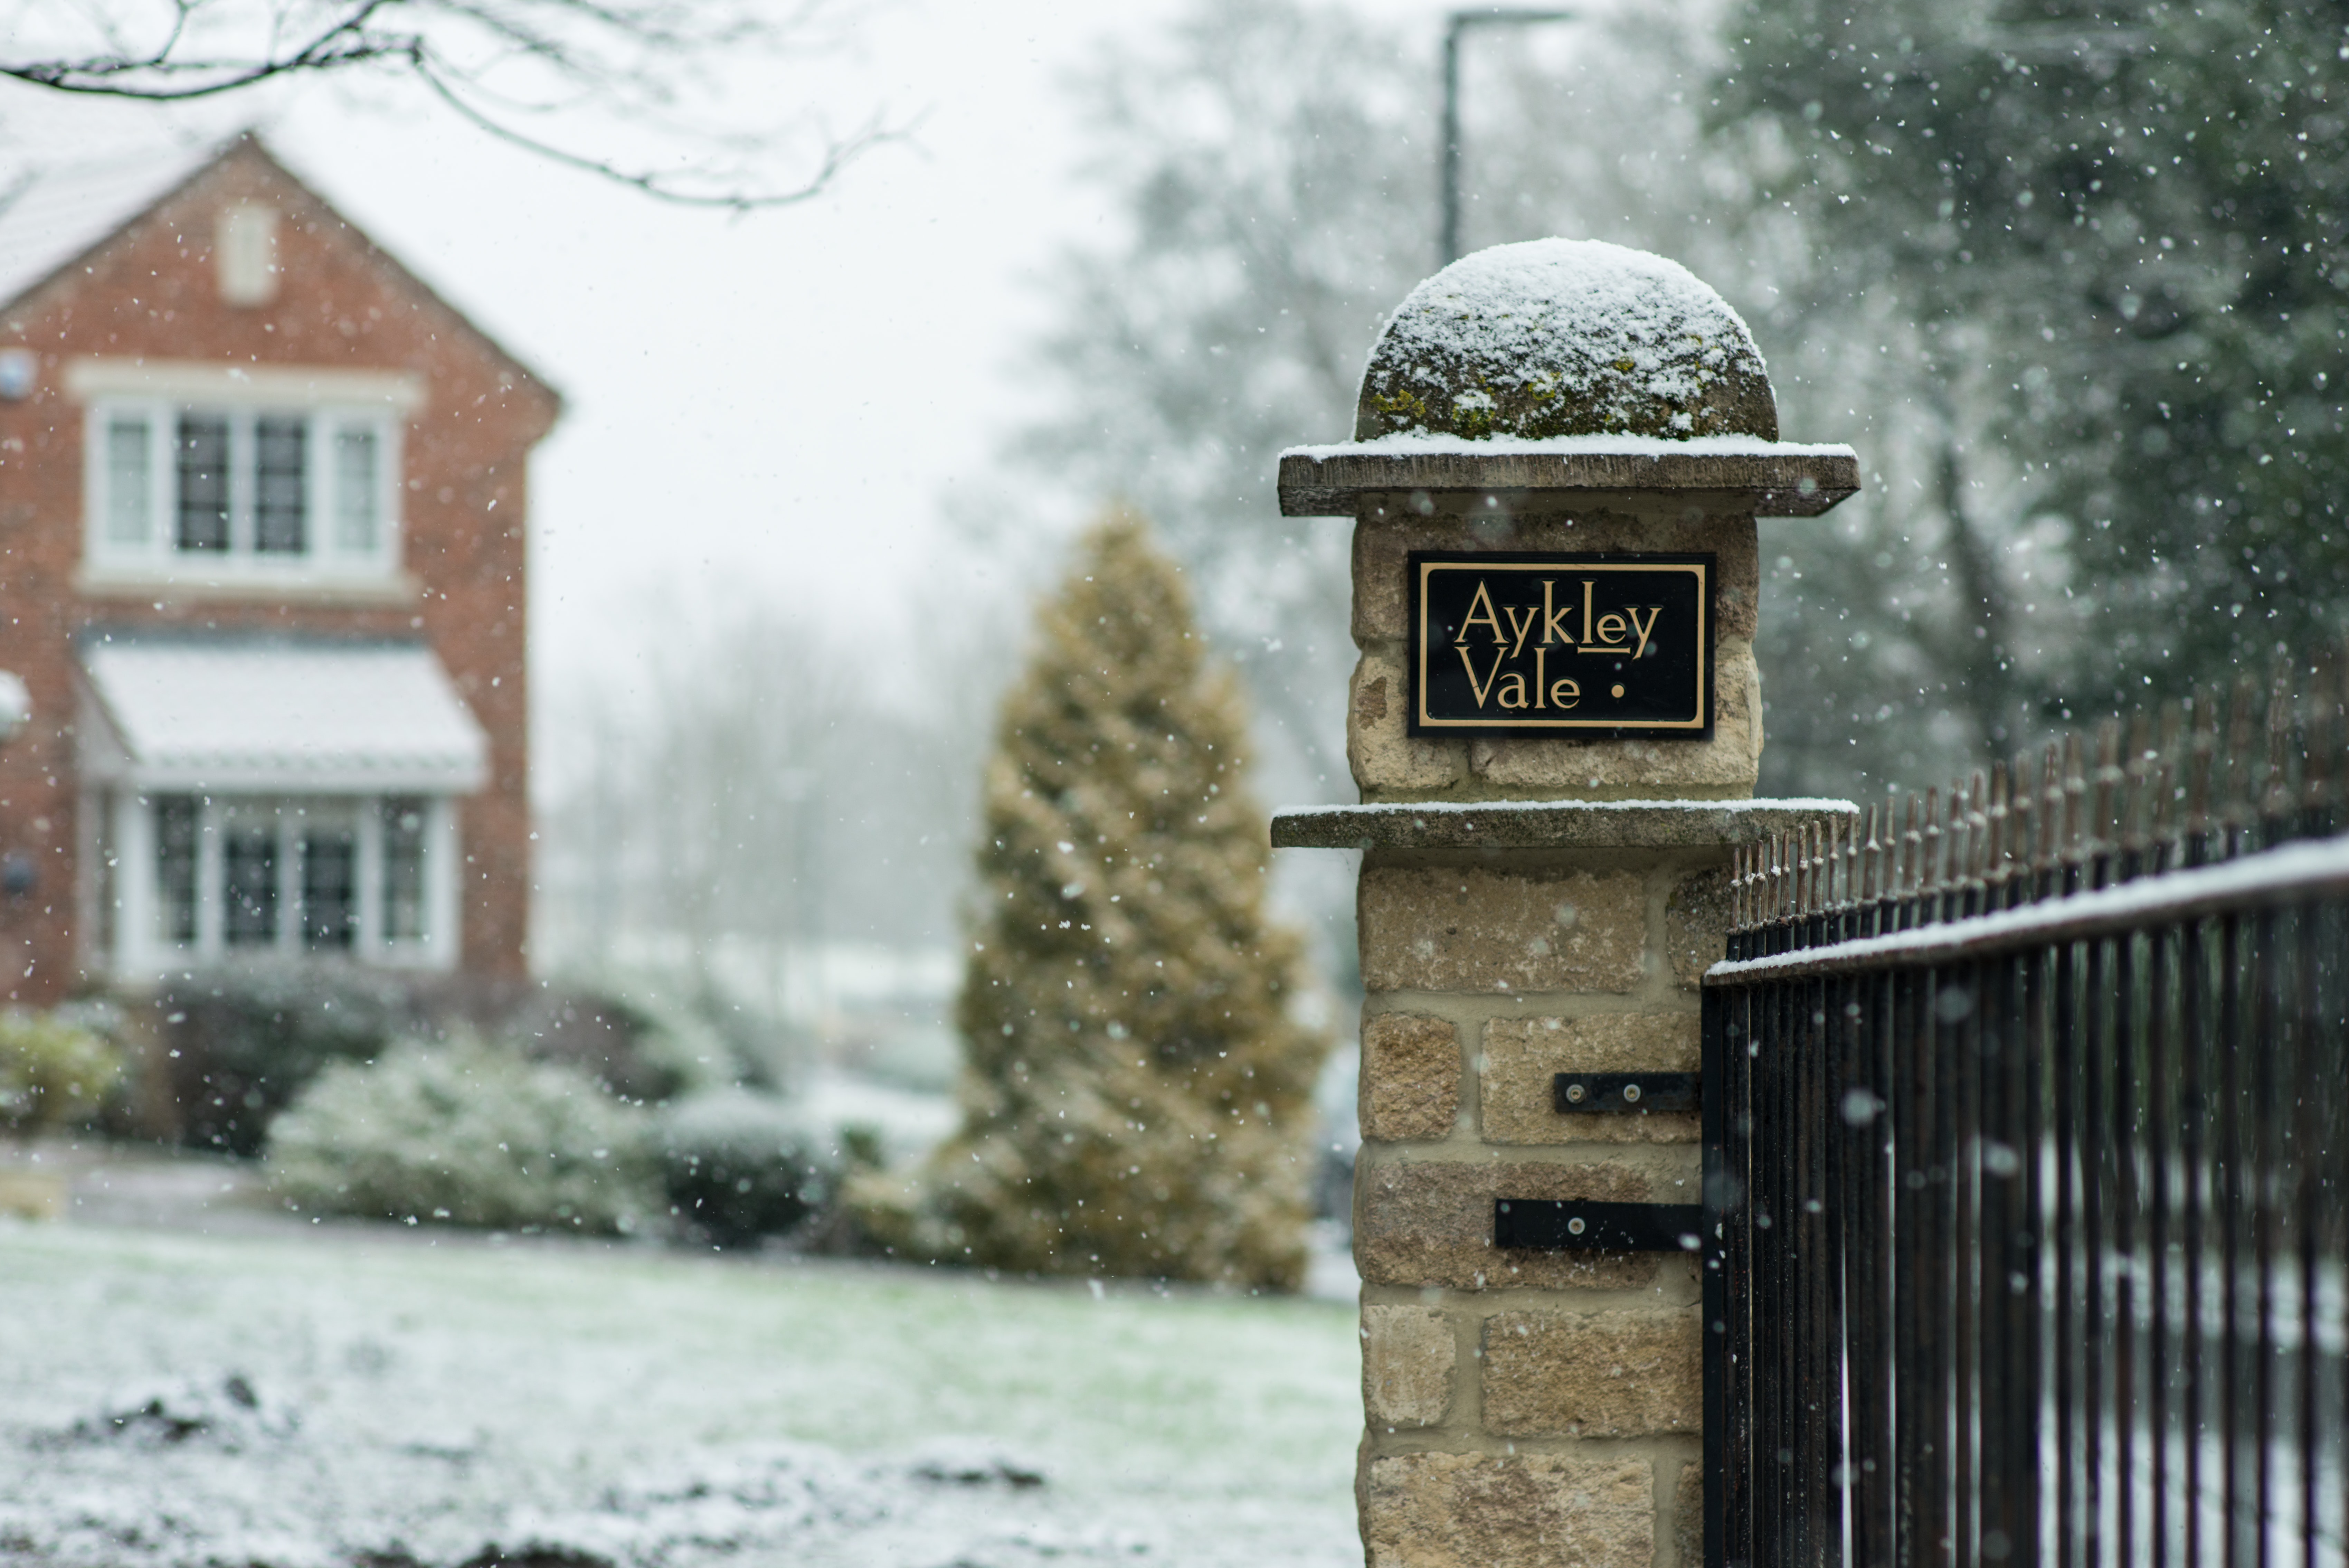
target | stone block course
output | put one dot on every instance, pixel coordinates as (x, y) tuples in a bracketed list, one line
[(1473, 930), (1599, 1374), (1522, 1055), (1430, 1222), (1409, 1365), (1410, 1076), (1533, 1510)]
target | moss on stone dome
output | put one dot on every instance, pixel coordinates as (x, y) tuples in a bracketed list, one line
[(1555, 337)]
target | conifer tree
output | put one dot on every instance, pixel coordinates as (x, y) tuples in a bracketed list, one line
[(1135, 1093)]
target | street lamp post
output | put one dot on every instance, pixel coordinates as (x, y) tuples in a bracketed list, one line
[(1459, 22)]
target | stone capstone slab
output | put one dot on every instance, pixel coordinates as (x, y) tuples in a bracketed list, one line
[(1791, 480), (1547, 823), (1533, 1510)]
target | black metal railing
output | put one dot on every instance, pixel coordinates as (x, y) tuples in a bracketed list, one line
[(2027, 1146)]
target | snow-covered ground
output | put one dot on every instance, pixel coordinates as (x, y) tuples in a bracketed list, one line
[(265, 1394)]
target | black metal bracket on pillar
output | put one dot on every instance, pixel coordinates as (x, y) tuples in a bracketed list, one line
[(1580, 1094), (1569, 1225)]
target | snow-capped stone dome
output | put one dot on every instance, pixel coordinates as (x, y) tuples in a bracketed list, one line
[(1555, 337)]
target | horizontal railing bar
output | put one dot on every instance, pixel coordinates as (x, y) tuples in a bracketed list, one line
[(2291, 873)]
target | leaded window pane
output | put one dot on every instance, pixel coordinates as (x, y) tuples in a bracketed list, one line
[(280, 496), (357, 499), (129, 483), (250, 863), (330, 880), (203, 481), (175, 867), (403, 868)]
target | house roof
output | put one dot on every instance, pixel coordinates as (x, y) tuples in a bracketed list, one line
[(53, 215), (297, 715)]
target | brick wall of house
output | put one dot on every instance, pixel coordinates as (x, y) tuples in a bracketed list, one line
[(152, 291)]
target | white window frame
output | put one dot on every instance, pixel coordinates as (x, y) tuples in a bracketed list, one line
[(140, 945), (323, 558)]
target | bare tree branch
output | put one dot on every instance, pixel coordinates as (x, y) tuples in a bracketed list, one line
[(836, 156), (628, 60)]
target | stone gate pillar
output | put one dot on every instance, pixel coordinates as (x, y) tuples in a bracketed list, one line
[(1555, 727)]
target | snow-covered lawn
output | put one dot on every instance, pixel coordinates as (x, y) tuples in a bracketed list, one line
[(367, 1396)]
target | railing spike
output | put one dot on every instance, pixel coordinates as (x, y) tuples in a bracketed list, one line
[(2051, 799), (1803, 873), (1929, 884), (1776, 873), (2316, 754), (1913, 852), (2275, 794), (2002, 834), (2075, 795), (2135, 811), (2023, 831), (1976, 829), (1811, 859), (2202, 756), (2236, 805), (1850, 898), (2105, 796), (1823, 836), (2171, 747), (1954, 831), (1871, 871), (2336, 698)]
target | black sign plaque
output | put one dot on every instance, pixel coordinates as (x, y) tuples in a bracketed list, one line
[(1511, 644)]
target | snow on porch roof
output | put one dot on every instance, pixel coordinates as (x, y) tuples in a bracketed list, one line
[(281, 715)]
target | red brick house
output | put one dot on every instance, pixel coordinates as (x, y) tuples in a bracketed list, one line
[(262, 508)]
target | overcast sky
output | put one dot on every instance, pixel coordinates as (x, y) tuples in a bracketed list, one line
[(778, 403)]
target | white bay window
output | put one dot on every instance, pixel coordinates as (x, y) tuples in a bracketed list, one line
[(275, 796), (370, 877)]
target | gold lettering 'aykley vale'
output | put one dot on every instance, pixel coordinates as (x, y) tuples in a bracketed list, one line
[(1507, 641)]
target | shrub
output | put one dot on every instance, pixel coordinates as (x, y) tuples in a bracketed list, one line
[(245, 1044), (1137, 1092), (53, 1073), (466, 1133), (740, 1166), (642, 1048)]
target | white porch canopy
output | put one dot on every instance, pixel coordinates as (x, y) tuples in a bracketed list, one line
[(277, 716)]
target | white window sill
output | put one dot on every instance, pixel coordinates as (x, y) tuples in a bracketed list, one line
[(410, 958), (276, 588)]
